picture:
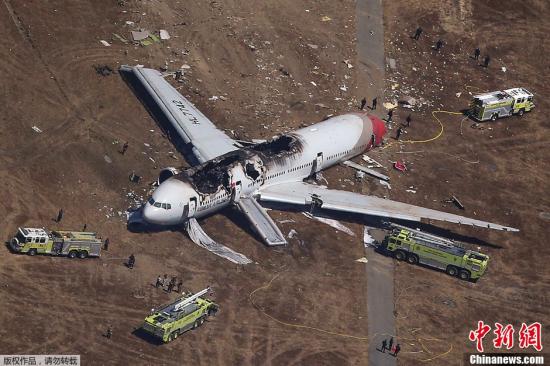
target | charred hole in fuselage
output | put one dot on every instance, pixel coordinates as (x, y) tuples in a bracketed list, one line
[(279, 149), (209, 177), (251, 171)]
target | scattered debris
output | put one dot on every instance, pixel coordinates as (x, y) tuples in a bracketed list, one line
[(129, 22), (344, 88), (105, 43), (457, 202), (503, 69), (544, 215), (326, 19), (103, 70), (214, 97), (384, 183), (185, 67), (391, 63), (140, 35), (407, 101), (314, 46), (362, 260), (36, 129), (285, 221), (360, 174), (120, 38), (410, 190), (292, 233), (399, 165), (348, 64), (107, 159), (389, 105), (374, 173), (164, 35), (373, 163), (134, 178), (458, 94), (330, 222)]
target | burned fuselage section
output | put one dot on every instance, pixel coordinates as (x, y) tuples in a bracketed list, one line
[(243, 170)]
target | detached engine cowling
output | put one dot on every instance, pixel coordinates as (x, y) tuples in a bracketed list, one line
[(167, 173)]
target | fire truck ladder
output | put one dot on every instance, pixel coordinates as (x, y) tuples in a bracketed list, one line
[(430, 240), (180, 304)]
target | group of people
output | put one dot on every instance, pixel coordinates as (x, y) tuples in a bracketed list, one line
[(172, 285), (439, 44), (390, 347)]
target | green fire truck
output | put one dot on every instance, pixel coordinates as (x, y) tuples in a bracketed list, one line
[(501, 103), (71, 244), (415, 247), (188, 312)]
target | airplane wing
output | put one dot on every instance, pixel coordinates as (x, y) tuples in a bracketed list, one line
[(301, 193), (207, 142)]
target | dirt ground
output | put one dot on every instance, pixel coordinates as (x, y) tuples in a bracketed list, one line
[(263, 59)]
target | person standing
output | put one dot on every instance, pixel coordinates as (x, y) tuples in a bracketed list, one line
[(438, 45), (109, 333), (363, 103), (178, 289), (59, 216), (165, 280), (124, 148), (399, 132), (477, 52), (397, 349), (159, 282), (408, 120), (374, 103), (384, 345), (131, 261), (170, 286), (486, 61), (390, 116), (417, 33), (106, 244), (85, 227), (390, 343)]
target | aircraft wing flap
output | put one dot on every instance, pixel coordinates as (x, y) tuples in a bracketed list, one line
[(262, 223), (304, 193), (191, 125)]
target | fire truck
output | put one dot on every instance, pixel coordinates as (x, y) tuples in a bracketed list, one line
[(71, 244), (497, 104), (188, 312), (416, 247)]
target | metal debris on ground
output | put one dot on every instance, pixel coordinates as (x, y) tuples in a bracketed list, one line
[(391, 63), (140, 35), (292, 233), (399, 165), (199, 237), (326, 19), (164, 35), (362, 260), (457, 202), (330, 222), (374, 173), (105, 43), (36, 129), (384, 183), (372, 163), (107, 159), (134, 178), (120, 38), (348, 64)]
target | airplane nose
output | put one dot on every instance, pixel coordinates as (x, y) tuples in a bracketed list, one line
[(150, 214)]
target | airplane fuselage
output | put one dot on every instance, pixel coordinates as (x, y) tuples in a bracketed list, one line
[(205, 189)]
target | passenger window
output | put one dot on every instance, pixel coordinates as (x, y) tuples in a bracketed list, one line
[(157, 204), (163, 205)]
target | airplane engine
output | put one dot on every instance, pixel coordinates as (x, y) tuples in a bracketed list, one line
[(167, 173)]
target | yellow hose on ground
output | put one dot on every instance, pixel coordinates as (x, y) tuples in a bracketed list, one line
[(344, 335)]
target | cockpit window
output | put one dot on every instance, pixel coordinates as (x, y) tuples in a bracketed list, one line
[(151, 201), (168, 206), (157, 204), (163, 205)]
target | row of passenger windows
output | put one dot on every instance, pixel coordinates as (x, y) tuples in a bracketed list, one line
[(210, 202)]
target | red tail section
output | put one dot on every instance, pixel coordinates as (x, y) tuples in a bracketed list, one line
[(378, 128)]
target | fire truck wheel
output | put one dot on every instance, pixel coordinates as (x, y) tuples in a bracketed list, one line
[(452, 271), (400, 255), (175, 334), (195, 324), (201, 320), (464, 275), (494, 117), (32, 252), (521, 111), (82, 254), (72, 254), (412, 259)]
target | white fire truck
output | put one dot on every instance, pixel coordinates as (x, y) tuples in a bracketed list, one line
[(497, 104)]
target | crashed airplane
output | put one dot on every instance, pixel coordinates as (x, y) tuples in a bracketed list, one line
[(227, 173)]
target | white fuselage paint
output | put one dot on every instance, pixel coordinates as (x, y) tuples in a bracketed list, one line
[(323, 145)]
